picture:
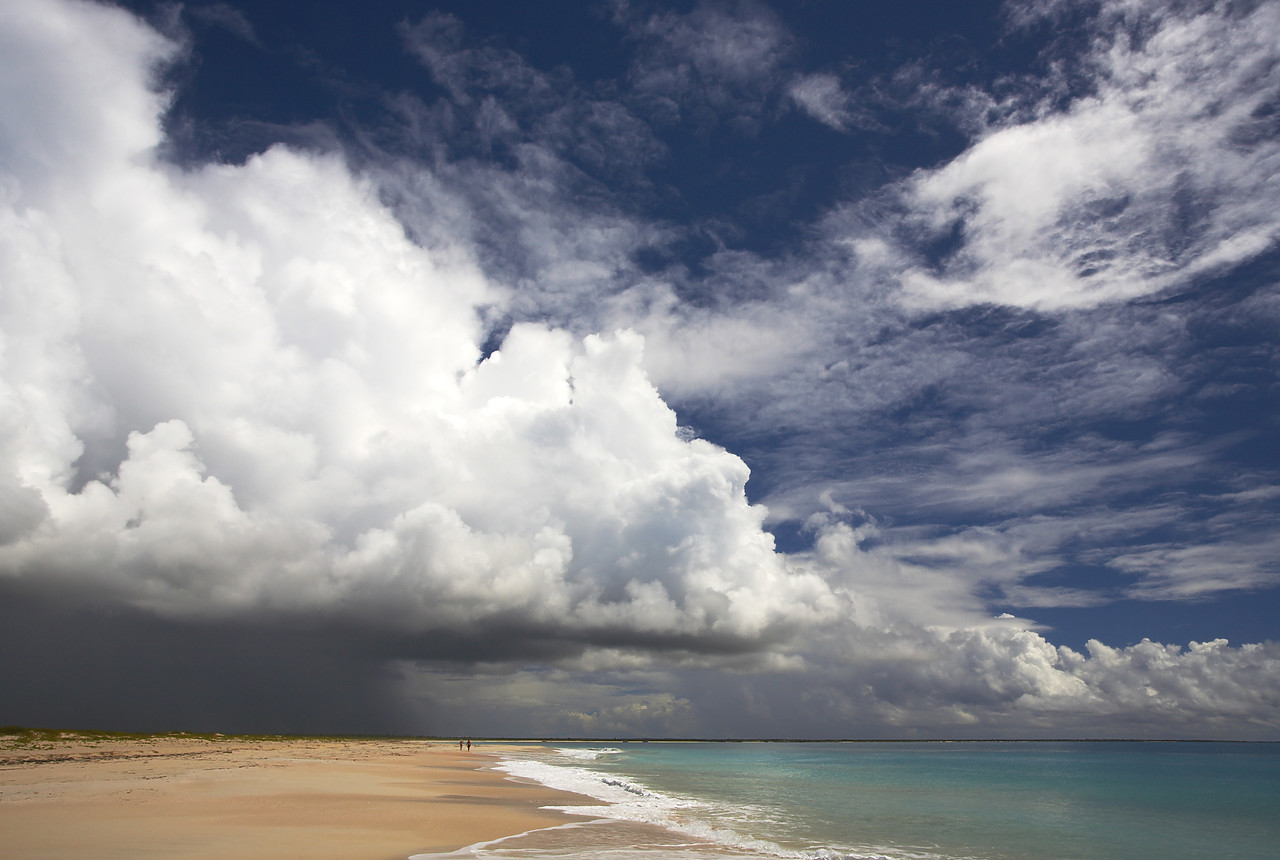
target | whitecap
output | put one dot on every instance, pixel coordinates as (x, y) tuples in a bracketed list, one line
[(587, 754)]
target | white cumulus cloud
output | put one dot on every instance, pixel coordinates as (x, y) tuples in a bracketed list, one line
[(242, 387)]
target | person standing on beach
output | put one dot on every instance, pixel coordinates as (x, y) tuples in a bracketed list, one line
[(468, 745)]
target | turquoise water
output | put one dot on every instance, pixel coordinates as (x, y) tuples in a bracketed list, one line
[(995, 801)]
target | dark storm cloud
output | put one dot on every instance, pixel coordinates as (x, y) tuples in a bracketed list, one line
[(76, 662)]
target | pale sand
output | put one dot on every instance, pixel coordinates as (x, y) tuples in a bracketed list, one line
[(250, 798)]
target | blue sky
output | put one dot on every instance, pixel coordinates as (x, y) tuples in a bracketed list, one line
[(617, 368)]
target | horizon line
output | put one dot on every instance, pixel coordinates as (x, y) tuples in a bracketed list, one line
[(72, 734)]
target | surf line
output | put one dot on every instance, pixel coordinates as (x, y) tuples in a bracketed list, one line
[(473, 850)]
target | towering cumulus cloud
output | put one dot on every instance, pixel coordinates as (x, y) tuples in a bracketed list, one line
[(242, 388), (238, 399)]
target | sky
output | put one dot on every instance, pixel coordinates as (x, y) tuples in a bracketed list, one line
[(627, 369)]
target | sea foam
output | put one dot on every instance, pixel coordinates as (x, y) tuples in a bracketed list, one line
[(627, 800), (587, 754)]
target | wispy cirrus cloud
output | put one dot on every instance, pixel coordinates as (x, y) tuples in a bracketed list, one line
[(717, 63), (227, 17), (821, 96), (1159, 174)]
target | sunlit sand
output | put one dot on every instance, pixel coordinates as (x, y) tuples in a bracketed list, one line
[(98, 796)]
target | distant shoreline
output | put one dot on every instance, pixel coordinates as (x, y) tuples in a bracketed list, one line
[(8, 733)]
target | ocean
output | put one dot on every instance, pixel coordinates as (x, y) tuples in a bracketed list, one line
[(1035, 800)]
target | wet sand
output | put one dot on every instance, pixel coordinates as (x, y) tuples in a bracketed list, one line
[(198, 797)]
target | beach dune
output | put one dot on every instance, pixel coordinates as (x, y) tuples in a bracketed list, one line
[(87, 796)]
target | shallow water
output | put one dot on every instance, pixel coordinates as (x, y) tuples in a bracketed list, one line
[(905, 801)]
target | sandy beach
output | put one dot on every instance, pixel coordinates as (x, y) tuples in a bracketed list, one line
[(89, 796)]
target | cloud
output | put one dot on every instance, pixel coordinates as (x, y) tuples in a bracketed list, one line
[(996, 522), (346, 403), (1198, 571), (821, 96), (947, 416), (999, 678), (497, 103), (994, 677), (1158, 175), (437, 41), (553, 702), (228, 18), (45, 133), (714, 64), (529, 169), (75, 658), (286, 409)]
